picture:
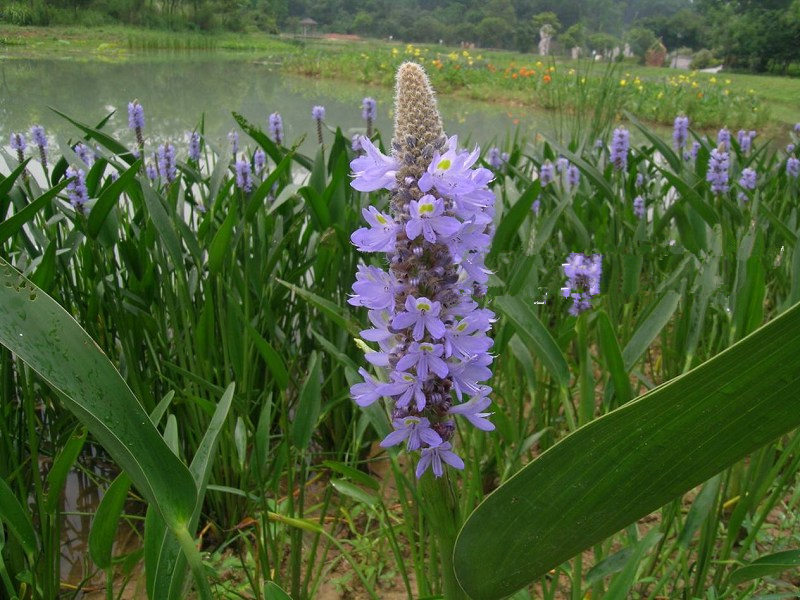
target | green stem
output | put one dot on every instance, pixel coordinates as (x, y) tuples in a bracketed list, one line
[(443, 514), (195, 561)]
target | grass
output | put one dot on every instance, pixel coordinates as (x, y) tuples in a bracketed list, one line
[(193, 284)]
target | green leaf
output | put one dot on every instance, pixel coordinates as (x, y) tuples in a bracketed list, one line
[(621, 584), (13, 223), (354, 474), (109, 197), (649, 329), (274, 592), (17, 519), (221, 243), (643, 455), (106, 520), (336, 314), (531, 331), (355, 492), (700, 509), (613, 357), (103, 138), (8, 182), (512, 220), (46, 271), (308, 406), (162, 223), (771, 564), (43, 335), (62, 464)]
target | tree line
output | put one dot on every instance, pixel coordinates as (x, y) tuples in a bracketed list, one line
[(757, 35)]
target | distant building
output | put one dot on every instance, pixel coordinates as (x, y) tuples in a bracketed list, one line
[(308, 24)]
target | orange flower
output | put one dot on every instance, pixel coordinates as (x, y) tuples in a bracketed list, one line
[(514, 75), (546, 79)]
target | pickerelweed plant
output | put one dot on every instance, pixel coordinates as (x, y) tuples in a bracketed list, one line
[(427, 320)]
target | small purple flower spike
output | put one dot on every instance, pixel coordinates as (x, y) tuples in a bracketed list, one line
[(717, 175), (583, 280), (620, 143), (276, 128), (244, 175)]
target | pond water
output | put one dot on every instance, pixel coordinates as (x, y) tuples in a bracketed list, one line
[(177, 89)]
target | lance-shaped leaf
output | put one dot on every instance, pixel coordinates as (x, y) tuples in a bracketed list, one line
[(42, 334), (633, 460)]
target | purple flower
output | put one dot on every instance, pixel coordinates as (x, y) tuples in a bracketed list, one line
[(355, 142), (695, 149), (152, 171), (425, 357), (573, 176), (467, 337), (748, 179), (717, 174), (428, 219), (638, 207), (414, 431), (724, 138), (374, 288), (276, 127), (536, 206), (404, 386), (135, 115), (583, 280), (792, 166), (38, 136), (194, 146), (797, 128), (680, 132), (472, 410), (620, 142), (318, 113), (546, 173), (374, 170), (494, 158), (369, 109), (434, 455), (76, 189), (467, 374), (789, 148), (85, 153), (379, 236), (244, 175), (233, 140), (745, 139), (366, 392), (166, 162), (259, 161), (421, 314), (561, 165), (17, 142), (451, 173)]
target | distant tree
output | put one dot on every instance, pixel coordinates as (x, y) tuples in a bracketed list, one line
[(602, 42), (525, 35), (547, 18), (640, 40), (574, 36), (494, 32)]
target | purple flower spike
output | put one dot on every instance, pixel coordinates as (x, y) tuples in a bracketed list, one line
[(717, 175), (85, 153), (573, 176), (194, 146), (724, 138), (748, 179), (434, 456), (414, 431), (546, 173), (620, 143), (77, 192), (318, 113), (135, 115), (166, 162), (638, 207), (17, 142), (583, 280), (793, 166), (38, 136), (276, 127), (680, 132), (244, 175), (259, 161), (494, 158)]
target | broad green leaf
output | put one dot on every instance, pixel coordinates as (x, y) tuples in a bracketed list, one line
[(530, 329), (46, 270), (643, 455), (354, 474), (6, 183), (221, 243), (43, 335), (17, 519), (162, 223), (336, 314), (771, 564), (103, 138), (649, 329), (62, 464), (352, 490), (308, 405)]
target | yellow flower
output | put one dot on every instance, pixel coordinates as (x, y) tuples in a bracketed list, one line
[(660, 95), (727, 92), (539, 64), (470, 62), (479, 57), (713, 80), (727, 82), (571, 72), (583, 79), (641, 88), (623, 82), (416, 52), (465, 53), (694, 84), (395, 52), (751, 91)]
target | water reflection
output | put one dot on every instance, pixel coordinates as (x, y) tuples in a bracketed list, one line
[(177, 89)]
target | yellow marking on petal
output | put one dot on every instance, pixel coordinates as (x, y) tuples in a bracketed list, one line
[(461, 326), (381, 219), (425, 208), (423, 306), (444, 164)]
